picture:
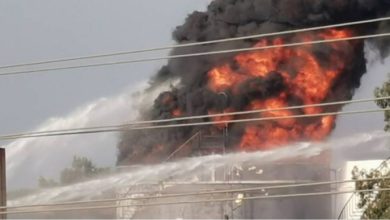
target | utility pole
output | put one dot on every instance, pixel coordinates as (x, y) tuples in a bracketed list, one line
[(3, 189)]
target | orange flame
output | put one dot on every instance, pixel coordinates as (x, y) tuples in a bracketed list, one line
[(306, 79), (177, 113), (221, 118)]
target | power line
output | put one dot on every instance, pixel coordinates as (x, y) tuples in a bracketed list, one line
[(198, 193), (197, 201), (198, 43), (194, 117), (198, 54), (105, 130)]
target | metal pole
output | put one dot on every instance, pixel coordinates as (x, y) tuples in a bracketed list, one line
[(3, 189)]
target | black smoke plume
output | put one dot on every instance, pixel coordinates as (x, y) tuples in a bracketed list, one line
[(235, 18)]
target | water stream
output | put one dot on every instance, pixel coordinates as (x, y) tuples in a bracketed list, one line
[(185, 169)]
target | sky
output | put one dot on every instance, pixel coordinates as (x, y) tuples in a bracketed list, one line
[(52, 29)]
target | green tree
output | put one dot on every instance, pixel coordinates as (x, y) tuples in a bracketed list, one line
[(384, 91), (81, 169), (376, 204), (46, 182)]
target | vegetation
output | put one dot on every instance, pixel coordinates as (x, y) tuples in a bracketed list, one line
[(384, 91), (376, 204), (81, 169), (14, 194)]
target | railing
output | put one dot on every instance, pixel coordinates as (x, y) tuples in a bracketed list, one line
[(201, 143), (189, 143)]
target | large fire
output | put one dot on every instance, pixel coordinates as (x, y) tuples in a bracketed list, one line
[(307, 78), (269, 79)]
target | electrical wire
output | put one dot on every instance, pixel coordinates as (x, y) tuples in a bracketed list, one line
[(198, 43), (192, 117), (196, 201), (105, 130), (234, 121), (198, 193), (371, 36)]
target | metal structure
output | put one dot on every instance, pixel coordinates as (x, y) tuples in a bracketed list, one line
[(234, 176), (204, 143)]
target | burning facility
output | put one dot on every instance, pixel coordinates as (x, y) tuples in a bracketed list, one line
[(274, 72)]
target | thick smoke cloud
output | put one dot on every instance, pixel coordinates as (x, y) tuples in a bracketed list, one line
[(235, 18)]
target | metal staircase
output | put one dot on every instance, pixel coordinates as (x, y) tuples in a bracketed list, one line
[(202, 143)]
